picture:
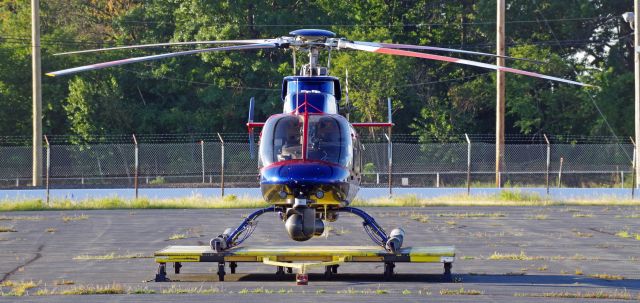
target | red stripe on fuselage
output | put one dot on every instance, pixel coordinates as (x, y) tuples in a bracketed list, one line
[(305, 130), (301, 161)]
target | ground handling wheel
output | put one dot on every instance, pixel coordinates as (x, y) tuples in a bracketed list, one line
[(221, 272), (161, 275), (388, 270)]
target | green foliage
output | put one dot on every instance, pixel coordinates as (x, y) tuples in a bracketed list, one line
[(209, 92)]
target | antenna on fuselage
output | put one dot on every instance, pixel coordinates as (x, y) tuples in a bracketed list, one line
[(346, 81)]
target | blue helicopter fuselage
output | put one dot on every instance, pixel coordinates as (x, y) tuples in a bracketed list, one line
[(310, 151)]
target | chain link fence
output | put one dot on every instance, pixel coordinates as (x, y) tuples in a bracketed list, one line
[(208, 160)]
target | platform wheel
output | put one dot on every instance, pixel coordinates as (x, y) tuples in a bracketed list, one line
[(161, 275), (221, 272), (328, 271), (176, 267), (232, 266), (388, 270), (289, 269), (280, 271), (447, 270), (334, 269)]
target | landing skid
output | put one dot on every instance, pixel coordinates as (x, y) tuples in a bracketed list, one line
[(232, 238)]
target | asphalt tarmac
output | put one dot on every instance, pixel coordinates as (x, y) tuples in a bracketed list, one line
[(524, 254)]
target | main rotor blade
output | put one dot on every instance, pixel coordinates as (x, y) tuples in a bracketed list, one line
[(253, 41), (156, 57), (397, 52), (441, 49)]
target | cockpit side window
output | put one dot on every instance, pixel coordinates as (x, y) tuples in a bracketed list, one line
[(287, 139)]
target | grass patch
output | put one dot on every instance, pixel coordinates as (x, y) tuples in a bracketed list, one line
[(229, 201), (504, 198), (406, 292), (111, 256), (338, 232), (581, 234), (626, 235), (419, 217), (320, 291), (515, 257), (623, 234), (113, 289), (460, 292), (177, 237), (141, 291), (50, 230), (21, 218), (174, 290), (353, 291), (607, 277), (619, 295), (63, 282), (73, 218), (582, 215), (472, 215), (538, 217), (18, 289), (7, 229)]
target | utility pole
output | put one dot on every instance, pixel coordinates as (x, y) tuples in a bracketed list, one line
[(636, 63), (633, 18), (37, 94), (500, 92)]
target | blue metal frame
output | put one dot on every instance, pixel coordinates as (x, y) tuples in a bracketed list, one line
[(370, 225), (247, 224)]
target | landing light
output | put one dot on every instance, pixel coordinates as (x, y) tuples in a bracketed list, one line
[(283, 194)]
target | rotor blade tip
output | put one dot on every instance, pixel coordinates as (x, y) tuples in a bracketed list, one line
[(50, 74)]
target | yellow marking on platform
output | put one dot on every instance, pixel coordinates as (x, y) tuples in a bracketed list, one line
[(305, 253)]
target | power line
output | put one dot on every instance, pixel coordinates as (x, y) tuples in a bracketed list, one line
[(595, 104), (445, 81), (198, 82), (488, 22)]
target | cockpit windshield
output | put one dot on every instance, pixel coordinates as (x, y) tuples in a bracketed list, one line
[(329, 139), (294, 87)]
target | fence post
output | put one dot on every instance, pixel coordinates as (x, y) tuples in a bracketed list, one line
[(202, 158), (560, 172), (46, 140), (468, 164), (221, 165), (633, 170), (136, 164), (548, 161), (390, 159)]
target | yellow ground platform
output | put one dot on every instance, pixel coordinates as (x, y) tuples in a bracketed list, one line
[(433, 254), (302, 257)]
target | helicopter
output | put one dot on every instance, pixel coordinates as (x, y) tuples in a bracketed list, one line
[(310, 156)]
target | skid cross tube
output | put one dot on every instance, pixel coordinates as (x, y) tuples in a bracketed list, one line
[(247, 224), (369, 222)]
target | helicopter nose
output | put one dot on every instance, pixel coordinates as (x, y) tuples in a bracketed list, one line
[(303, 172)]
